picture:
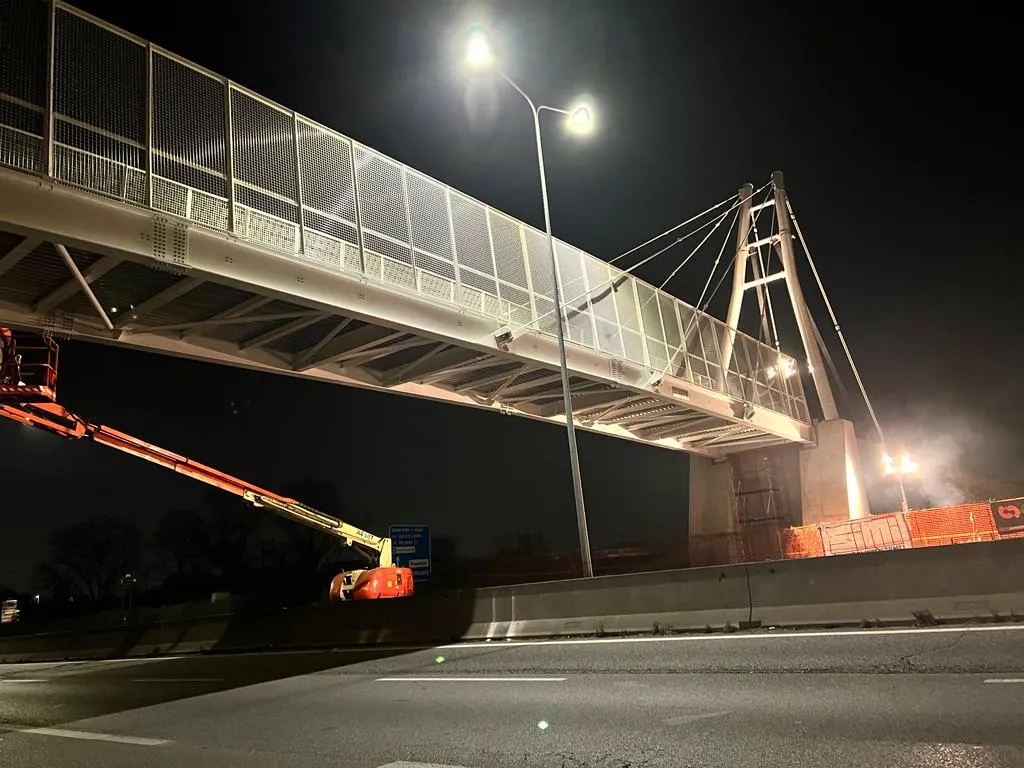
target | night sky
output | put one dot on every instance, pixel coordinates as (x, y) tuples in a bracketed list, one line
[(895, 136)]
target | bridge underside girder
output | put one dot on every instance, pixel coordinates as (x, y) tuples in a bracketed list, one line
[(233, 303)]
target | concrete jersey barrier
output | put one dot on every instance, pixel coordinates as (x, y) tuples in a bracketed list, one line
[(974, 581), (959, 582)]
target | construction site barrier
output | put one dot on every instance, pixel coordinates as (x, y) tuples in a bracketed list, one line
[(922, 528)]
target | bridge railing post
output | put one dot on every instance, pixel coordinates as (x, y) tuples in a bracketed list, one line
[(356, 206), (149, 125), (229, 165), (51, 66), (298, 184)]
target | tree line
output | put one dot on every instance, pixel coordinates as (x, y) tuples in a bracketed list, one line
[(225, 545)]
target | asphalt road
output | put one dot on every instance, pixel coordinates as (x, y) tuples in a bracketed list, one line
[(951, 697)]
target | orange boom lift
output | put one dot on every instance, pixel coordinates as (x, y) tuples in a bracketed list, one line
[(28, 394)]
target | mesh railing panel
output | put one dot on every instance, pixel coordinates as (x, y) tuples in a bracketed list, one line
[(265, 172), (382, 203), (189, 142), (331, 238), (431, 234), (100, 110), (23, 40), (297, 190)]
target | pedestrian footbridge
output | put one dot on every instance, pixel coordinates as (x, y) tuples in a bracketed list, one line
[(150, 203)]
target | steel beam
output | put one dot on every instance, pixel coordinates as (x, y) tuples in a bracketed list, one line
[(82, 283), (757, 440), (242, 308), (502, 378), (730, 436), (653, 417), (764, 280), (685, 427), (303, 358), (74, 285), (199, 325), (557, 407), (606, 405), (399, 372), (705, 436), (281, 331), (635, 408), (18, 252), (348, 344), (554, 394), (739, 277), (478, 362), (528, 385), (161, 299), (796, 297), (496, 395), (381, 350), (677, 419)]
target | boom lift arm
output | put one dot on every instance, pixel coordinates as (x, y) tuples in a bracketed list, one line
[(33, 405)]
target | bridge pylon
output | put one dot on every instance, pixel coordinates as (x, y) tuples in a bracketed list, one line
[(824, 481)]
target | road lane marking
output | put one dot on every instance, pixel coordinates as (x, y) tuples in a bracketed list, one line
[(22, 680), (178, 680), (732, 637), (1005, 680), (685, 719), (404, 764), (445, 679), (89, 736)]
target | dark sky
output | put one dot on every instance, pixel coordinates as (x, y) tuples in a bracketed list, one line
[(893, 129)]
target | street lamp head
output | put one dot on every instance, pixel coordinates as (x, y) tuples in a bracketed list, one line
[(479, 53), (904, 466), (580, 119)]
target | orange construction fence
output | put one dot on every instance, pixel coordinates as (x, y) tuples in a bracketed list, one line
[(940, 526)]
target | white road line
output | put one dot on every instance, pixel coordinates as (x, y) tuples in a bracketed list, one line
[(686, 719), (1005, 680), (22, 680), (87, 736), (178, 680), (443, 679), (735, 637), (404, 764), (124, 660)]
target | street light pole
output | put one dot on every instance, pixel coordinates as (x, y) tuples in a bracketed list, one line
[(570, 427), (479, 54)]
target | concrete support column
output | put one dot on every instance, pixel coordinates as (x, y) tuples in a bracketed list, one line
[(831, 477), (714, 519)]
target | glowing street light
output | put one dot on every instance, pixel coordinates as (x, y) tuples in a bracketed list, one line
[(478, 49), (479, 54), (785, 367), (581, 120), (906, 465)]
